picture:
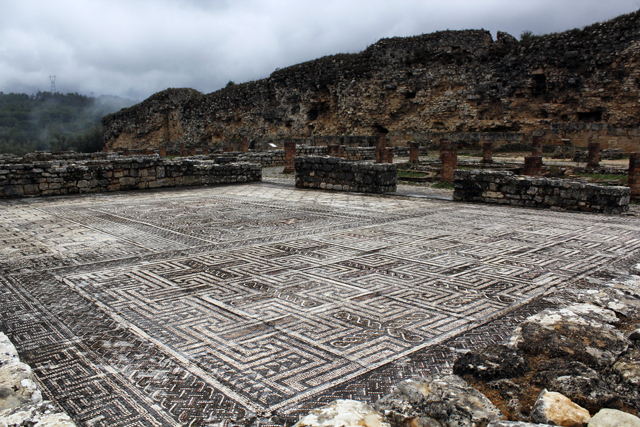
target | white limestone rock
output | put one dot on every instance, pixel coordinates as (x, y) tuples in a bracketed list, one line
[(580, 333), (17, 386), (344, 413), (437, 401), (614, 418), (37, 415), (556, 409), (8, 353)]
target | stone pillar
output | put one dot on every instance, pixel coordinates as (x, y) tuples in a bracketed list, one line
[(183, 151), (533, 166), (289, 156), (194, 150), (414, 152), (487, 152), (162, 151), (634, 175), (245, 145), (205, 151), (593, 161), (125, 152), (387, 155), (536, 146), (381, 143), (449, 159)]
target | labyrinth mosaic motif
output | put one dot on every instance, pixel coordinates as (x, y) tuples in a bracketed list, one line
[(196, 306)]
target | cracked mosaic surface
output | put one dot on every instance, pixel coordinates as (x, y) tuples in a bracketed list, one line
[(191, 307)]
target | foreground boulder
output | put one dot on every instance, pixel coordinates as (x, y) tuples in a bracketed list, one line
[(437, 401), (577, 333), (555, 409), (21, 401), (614, 418), (584, 351), (343, 413)]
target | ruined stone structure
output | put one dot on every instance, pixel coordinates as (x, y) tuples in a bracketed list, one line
[(634, 175), (487, 152), (449, 159), (55, 177), (533, 165), (577, 83), (594, 155), (333, 173), (505, 188)]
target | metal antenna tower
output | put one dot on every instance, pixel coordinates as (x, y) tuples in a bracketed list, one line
[(53, 84)]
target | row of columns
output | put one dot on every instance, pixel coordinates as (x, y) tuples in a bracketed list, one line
[(449, 158)]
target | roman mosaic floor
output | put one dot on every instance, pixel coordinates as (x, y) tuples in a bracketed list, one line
[(254, 303)]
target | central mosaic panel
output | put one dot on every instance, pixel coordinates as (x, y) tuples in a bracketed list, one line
[(267, 297)]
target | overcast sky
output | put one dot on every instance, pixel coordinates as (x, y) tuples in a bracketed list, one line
[(134, 48)]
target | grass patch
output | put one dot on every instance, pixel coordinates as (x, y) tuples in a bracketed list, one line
[(443, 184), (410, 174), (623, 178)]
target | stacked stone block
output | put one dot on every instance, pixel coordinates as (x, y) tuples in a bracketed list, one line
[(634, 175), (505, 188), (449, 159), (594, 155), (533, 165), (289, 156), (414, 152), (117, 174), (487, 152), (332, 173)]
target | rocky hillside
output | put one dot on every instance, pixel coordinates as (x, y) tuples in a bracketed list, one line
[(461, 81)]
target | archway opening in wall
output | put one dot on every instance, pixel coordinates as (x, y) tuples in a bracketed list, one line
[(590, 116)]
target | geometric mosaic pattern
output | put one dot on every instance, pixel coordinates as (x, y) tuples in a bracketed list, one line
[(191, 307)]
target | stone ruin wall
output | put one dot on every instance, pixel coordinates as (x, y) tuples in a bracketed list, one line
[(505, 188), (451, 81), (331, 173), (117, 173)]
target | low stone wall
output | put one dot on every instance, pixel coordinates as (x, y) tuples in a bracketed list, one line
[(505, 188), (117, 173), (333, 173), (610, 154)]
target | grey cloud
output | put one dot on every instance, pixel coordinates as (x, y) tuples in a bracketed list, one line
[(134, 49)]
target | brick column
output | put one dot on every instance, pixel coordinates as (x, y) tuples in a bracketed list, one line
[(162, 151), (593, 161), (245, 145), (536, 146), (289, 156), (634, 175), (449, 159), (533, 166), (183, 151), (387, 155), (487, 152), (205, 151), (414, 152), (381, 143)]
